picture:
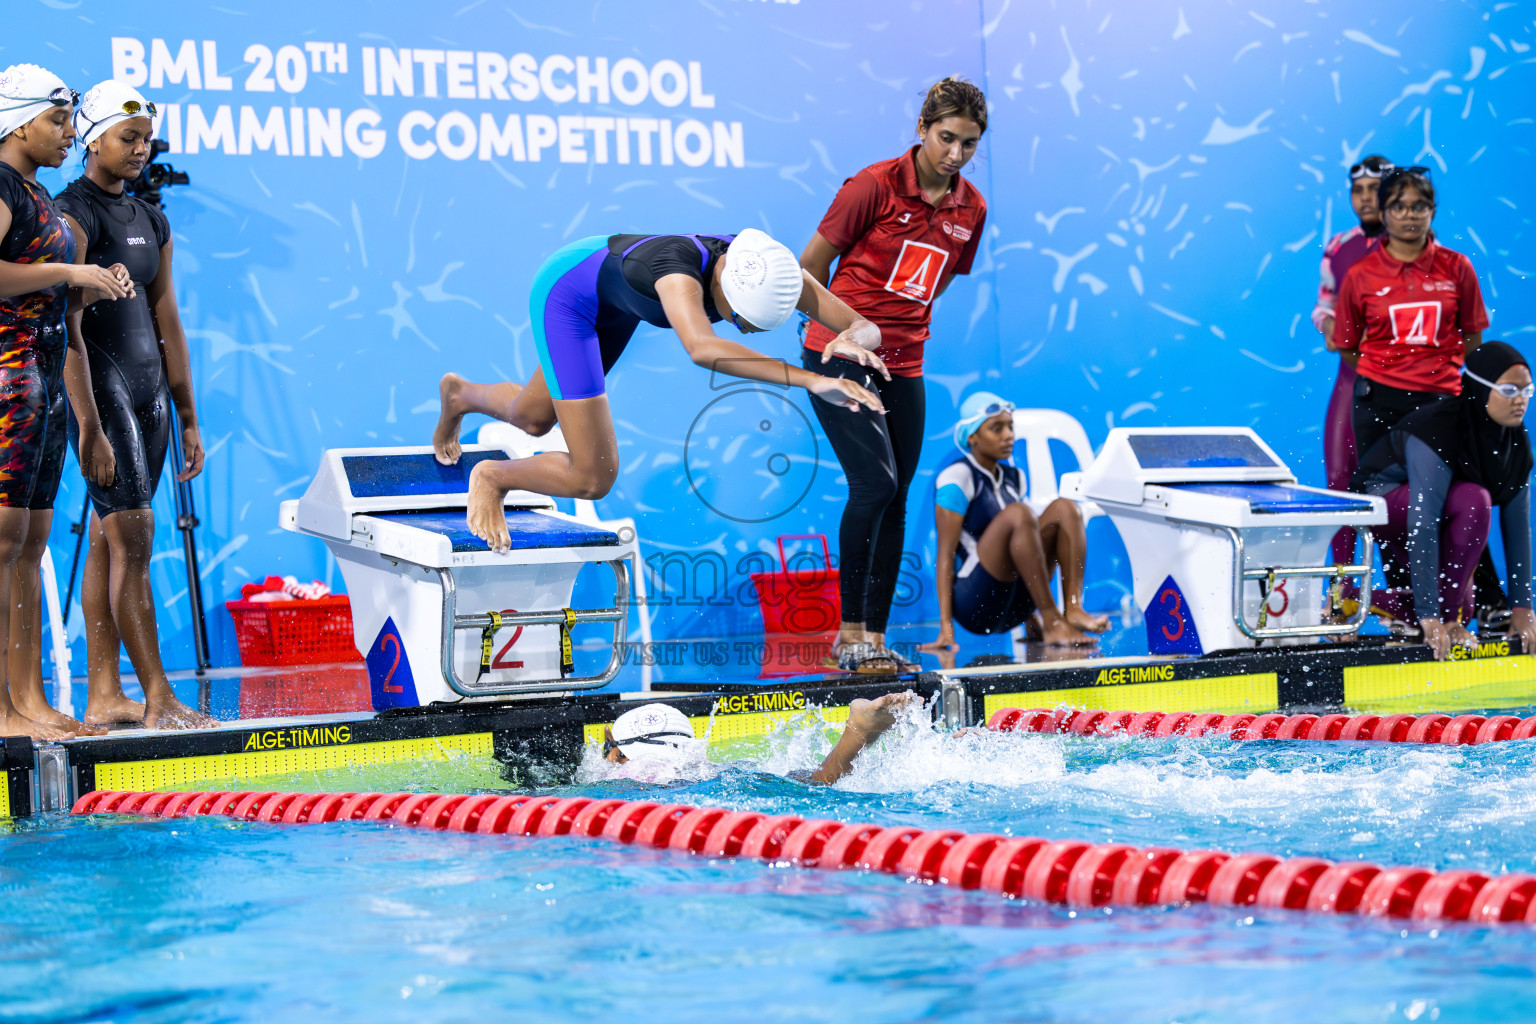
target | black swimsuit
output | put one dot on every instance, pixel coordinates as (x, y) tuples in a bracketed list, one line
[(32, 349), (121, 339)]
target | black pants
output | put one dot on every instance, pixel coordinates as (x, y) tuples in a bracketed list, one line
[(879, 457), (1380, 407)]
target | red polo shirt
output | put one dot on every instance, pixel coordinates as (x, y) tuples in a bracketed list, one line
[(1407, 319), (897, 253)]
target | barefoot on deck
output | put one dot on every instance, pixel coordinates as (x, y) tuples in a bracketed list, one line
[(1087, 622), (16, 724), (118, 710), (485, 514), (1061, 634), (173, 714), (46, 715), (445, 439)]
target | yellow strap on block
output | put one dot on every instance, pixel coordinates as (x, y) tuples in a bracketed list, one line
[(488, 644), (567, 659)]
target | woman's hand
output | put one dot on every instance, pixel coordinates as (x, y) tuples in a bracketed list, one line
[(1436, 637), (945, 642), (98, 463), (1462, 637), (1522, 623), (191, 453), (846, 347), (837, 391), (98, 283), (870, 719)]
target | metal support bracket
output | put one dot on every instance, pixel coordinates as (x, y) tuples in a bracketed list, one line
[(954, 705), (453, 622), (51, 779), (1266, 577)]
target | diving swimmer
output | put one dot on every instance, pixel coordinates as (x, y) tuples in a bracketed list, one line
[(588, 298)]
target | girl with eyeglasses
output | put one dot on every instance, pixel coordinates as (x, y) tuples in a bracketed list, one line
[(1442, 469), (38, 282), (996, 555), (134, 383), (1408, 313), (900, 230), (588, 298)]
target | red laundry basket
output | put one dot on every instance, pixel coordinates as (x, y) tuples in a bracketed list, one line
[(295, 632), (800, 602)]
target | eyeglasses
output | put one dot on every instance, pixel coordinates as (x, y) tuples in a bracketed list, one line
[(1416, 210), (1362, 171), (740, 328), (1510, 391), (63, 96), (610, 744)]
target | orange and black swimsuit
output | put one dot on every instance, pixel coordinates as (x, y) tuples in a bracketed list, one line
[(32, 343)]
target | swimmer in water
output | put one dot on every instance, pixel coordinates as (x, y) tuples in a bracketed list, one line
[(654, 740), (122, 451), (587, 300), (39, 281)]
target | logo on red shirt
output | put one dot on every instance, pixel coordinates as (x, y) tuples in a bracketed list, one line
[(917, 272), (1414, 323)]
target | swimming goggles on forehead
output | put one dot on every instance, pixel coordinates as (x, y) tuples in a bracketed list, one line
[(131, 108), (1510, 391), (610, 745), (991, 410), (63, 96), (1360, 170)]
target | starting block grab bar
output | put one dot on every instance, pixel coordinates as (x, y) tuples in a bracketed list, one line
[(453, 623), (1361, 572)]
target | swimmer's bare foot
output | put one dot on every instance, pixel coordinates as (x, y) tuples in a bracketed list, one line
[(486, 516), (445, 439), (114, 710), (16, 724), (44, 714), (1060, 633), (170, 713), (1087, 622)]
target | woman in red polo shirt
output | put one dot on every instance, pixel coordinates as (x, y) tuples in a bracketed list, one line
[(900, 230), (1409, 311)]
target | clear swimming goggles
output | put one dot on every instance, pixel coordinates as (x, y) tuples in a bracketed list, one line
[(1510, 391), (1361, 171), (991, 410), (63, 96), (610, 745)]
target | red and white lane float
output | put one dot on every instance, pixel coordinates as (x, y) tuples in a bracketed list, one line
[(1435, 728), (1051, 871)]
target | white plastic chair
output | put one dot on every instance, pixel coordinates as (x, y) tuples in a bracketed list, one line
[(1036, 429), (521, 444)]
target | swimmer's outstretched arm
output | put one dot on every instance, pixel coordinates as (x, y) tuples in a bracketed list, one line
[(867, 721), (683, 299), (856, 339)]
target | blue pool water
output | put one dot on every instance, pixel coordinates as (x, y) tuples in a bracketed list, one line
[(111, 919)]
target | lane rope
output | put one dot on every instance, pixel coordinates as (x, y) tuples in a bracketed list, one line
[(1434, 728), (1051, 871)]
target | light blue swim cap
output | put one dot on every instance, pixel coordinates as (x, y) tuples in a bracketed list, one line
[(975, 411)]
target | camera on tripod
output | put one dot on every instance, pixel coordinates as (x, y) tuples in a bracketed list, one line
[(157, 176)]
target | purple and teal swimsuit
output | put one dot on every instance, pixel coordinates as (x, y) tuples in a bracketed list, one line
[(589, 297)]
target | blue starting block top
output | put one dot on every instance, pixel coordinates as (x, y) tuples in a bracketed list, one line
[(1275, 499), (388, 476), (1198, 451), (529, 530)]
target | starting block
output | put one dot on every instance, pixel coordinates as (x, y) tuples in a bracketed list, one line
[(423, 588), (1227, 549)]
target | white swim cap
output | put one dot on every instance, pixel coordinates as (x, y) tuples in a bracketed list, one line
[(105, 105), (27, 90), (761, 280), (656, 732)]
